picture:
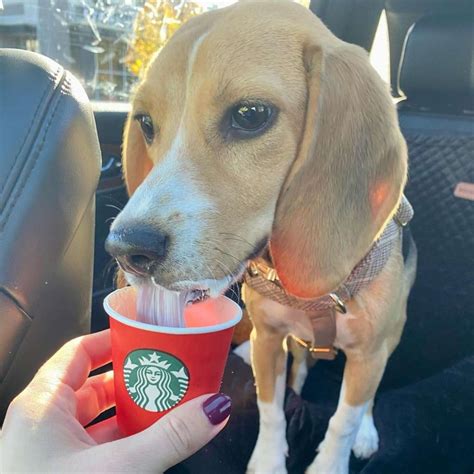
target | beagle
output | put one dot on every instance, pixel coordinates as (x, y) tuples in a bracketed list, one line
[(257, 135)]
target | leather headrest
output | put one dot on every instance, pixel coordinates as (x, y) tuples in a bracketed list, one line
[(437, 65)]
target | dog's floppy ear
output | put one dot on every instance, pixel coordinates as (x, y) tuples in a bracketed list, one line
[(136, 163), (348, 175)]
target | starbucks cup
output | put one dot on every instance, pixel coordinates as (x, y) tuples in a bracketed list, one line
[(158, 368)]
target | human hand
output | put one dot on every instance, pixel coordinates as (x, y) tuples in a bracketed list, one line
[(44, 426)]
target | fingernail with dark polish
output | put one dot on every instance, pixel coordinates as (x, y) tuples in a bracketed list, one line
[(217, 408)]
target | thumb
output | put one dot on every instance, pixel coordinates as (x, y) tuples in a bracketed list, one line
[(175, 437)]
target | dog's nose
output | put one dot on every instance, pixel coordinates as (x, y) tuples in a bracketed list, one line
[(137, 250)]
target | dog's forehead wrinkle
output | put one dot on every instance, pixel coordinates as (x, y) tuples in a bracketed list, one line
[(239, 56)]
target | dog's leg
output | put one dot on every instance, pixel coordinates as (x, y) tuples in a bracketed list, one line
[(269, 367), (299, 366), (367, 438), (362, 375)]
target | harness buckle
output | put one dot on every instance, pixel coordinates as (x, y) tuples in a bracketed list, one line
[(253, 269), (399, 221), (260, 268)]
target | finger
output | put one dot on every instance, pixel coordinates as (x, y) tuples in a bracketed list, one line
[(105, 431), (173, 438), (94, 397), (72, 364)]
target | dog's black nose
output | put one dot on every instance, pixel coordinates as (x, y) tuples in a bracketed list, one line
[(138, 250)]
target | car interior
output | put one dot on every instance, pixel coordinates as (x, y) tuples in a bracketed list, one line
[(61, 186)]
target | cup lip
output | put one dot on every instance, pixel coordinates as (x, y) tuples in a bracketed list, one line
[(173, 330)]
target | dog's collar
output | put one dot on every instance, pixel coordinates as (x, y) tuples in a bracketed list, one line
[(263, 278)]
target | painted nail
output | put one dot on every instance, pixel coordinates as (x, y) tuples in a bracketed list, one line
[(217, 408)]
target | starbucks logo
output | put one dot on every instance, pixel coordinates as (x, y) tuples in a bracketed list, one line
[(156, 381)]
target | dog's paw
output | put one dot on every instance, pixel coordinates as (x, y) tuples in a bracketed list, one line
[(325, 465), (367, 439), (268, 458), (266, 466), (330, 459)]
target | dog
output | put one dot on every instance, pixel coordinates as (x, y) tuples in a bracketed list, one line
[(258, 136)]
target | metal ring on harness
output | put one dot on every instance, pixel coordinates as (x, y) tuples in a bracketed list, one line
[(340, 307)]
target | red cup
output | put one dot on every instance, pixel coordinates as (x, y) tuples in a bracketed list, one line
[(158, 368)]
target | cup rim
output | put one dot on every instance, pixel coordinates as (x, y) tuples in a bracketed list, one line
[(173, 330)]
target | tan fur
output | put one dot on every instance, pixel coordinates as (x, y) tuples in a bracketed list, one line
[(135, 162), (320, 183), (352, 151), (242, 178), (375, 322)]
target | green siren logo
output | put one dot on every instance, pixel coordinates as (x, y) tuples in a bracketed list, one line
[(156, 381)]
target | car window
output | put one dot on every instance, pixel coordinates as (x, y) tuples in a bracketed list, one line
[(380, 51), (105, 43), (101, 41)]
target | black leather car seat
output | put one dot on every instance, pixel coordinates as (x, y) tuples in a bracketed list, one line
[(437, 120), (49, 169)]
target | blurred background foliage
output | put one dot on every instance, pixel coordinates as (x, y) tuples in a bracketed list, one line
[(107, 44), (154, 25)]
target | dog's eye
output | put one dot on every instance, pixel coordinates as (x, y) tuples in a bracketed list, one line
[(250, 117), (146, 124)]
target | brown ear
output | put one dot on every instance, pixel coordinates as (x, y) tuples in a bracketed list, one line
[(135, 161), (347, 178)]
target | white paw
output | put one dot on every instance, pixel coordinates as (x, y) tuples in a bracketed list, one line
[(243, 351), (259, 466), (268, 458), (367, 439), (323, 465), (329, 460)]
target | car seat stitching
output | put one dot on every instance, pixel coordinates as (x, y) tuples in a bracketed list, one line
[(38, 153), (28, 134)]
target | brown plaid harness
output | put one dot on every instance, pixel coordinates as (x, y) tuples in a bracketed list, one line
[(262, 277)]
